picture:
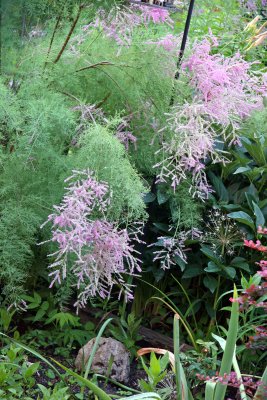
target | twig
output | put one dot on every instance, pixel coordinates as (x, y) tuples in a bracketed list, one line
[(69, 34), (95, 65), (52, 40)]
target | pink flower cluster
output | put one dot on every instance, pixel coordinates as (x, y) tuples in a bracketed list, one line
[(255, 295), (261, 230), (224, 84), (173, 247), (169, 43), (259, 340), (232, 380), (124, 133), (90, 248), (156, 15), (225, 92), (256, 246), (192, 142), (120, 25), (263, 266)]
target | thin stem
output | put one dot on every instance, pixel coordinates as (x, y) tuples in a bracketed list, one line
[(52, 40), (69, 34)]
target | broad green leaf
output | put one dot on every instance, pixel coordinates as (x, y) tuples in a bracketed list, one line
[(162, 197), (260, 220), (222, 343), (255, 150), (210, 283), (31, 370), (261, 391), (241, 170), (149, 197), (212, 267), (209, 390), (219, 187), (230, 272), (243, 218), (191, 271), (210, 254), (155, 368)]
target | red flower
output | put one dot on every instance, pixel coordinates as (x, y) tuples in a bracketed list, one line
[(262, 230), (256, 246)]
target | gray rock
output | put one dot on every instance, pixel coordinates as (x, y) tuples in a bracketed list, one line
[(107, 348)]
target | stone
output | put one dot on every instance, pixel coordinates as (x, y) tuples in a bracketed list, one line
[(107, 348)]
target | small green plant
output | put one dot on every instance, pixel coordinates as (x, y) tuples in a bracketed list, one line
[(6, 319), (156, 372), (16, 373), (215, 389), (126, 331), (57, 393)]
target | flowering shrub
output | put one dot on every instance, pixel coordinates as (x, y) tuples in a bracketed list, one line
[(91, 248), (225, 91)]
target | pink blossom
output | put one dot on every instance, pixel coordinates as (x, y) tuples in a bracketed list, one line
[(192, 142), (169, 42), (156, 15), (171, 247), (95, 251), (256, 246), (262, 231), (120, 25), (226, 85), (124, 133)]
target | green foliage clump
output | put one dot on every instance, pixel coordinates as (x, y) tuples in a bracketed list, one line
[(113, 166), (186, 211), (256, 124), (36, 157)]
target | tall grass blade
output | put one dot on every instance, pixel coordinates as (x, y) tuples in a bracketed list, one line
[(229, 351), (222, 343), (209, 390), (94, 349), (183, 393), (185, 324), (176, 340)]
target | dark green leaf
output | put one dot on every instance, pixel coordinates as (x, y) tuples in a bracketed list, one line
[(219, 187), (243, 218), (260, 220), (210, 283), (149, 197), (212, 267)]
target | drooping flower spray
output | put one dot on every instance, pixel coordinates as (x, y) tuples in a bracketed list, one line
[(94, 250), (225, 91)]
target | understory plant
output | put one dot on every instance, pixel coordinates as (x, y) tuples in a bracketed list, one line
[(216, 385)]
